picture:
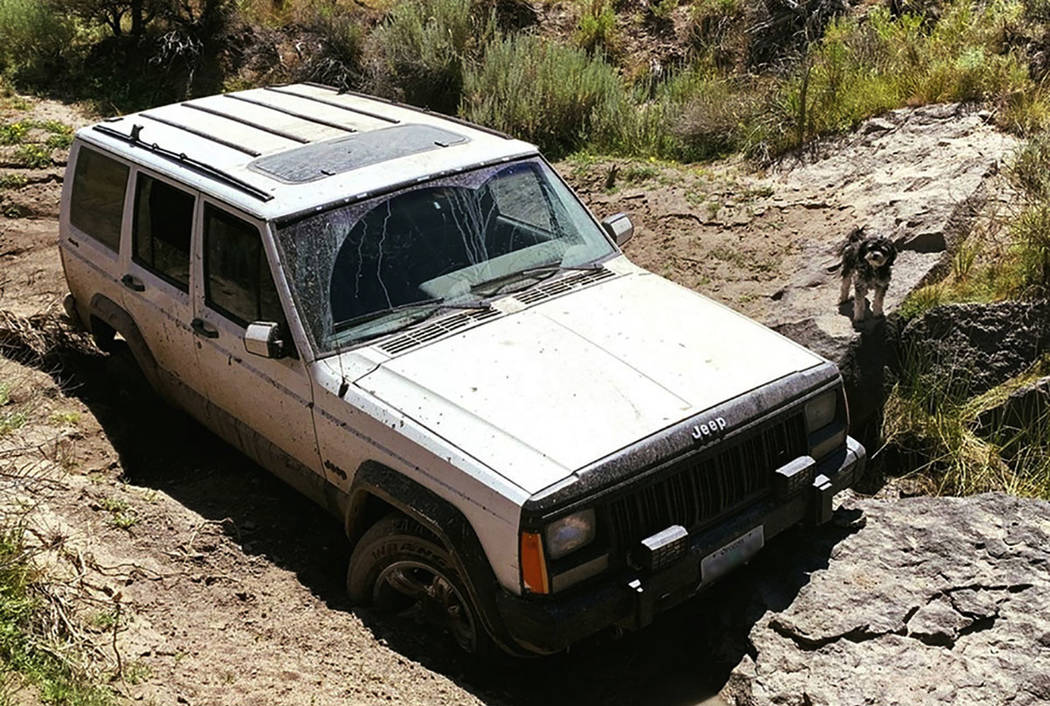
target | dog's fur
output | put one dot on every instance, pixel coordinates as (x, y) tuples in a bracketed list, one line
[(866, 264)]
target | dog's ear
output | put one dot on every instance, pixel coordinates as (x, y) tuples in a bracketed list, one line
[(891, 253), (855, 235)]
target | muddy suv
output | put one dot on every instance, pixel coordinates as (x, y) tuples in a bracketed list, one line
[(415, 322)]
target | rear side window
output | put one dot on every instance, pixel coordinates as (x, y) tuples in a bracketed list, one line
[(237, 279), (163, 223), (97, 203)]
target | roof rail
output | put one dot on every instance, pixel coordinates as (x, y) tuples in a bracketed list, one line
[(450, 118), (212, 138), (334, 104), (293, 113), (188, 162), (249, 123)]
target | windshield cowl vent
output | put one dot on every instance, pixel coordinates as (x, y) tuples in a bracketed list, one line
[(426, 334), (561, 286)]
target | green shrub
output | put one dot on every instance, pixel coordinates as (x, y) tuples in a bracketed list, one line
[(33, 156), (597, 28), (423, 48), (14, 133), (1030, 229), (35, 38), (556, 96), (1030, 170), (661, 9), (717, 31), (714, 115), (339, 57), (864, 67), (1031, 235)]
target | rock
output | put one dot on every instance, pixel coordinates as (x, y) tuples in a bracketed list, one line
[(975, 347), (1020, 410), (876, 125), (928, 242), (933, 600), (1013, 420), (917, 176)]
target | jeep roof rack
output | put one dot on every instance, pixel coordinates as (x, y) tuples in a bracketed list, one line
[(181, 158), (284, 91), (250, 123), (293, 113), (200, 133), (297, 147)]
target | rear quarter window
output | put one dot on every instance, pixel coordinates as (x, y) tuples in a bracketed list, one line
[(97, 203)]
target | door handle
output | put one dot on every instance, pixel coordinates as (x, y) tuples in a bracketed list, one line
[(202, 328), (133, 283)]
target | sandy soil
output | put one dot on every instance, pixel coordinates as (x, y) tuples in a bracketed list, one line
[(712, 228)]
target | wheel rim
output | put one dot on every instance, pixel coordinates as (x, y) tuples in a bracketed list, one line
[(429, 594)]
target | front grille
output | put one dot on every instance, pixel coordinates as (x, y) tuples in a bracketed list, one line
[(703, 486)]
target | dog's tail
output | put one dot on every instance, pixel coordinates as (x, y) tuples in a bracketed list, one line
[(855, 236)]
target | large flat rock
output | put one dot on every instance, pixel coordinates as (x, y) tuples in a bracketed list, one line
[(931, 601), (917, 176)]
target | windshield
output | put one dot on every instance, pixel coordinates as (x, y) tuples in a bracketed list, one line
[(373, 267)]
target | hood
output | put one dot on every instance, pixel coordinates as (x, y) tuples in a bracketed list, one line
[(540, 393)]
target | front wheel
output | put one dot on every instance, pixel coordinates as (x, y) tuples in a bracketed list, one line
[(399, 567)]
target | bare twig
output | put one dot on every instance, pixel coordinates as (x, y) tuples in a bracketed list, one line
[(216, 523), (116, 627)]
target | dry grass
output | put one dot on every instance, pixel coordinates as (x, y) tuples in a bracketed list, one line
[(44, 649), (931, 423)]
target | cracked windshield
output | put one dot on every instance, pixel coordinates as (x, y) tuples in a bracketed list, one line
[(375, 267)]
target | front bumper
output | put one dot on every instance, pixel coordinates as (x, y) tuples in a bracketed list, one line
[(631, 599)]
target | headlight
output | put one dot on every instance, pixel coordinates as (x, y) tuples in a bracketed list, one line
[(820, 411), (568, 534)]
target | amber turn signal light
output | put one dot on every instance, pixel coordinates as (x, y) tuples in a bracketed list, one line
[(533, 567)]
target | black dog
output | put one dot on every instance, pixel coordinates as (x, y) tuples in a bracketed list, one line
[(866, 263)]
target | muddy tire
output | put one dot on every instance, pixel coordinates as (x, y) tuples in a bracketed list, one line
[(398, 567)]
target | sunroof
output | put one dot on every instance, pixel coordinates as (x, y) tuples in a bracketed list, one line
[(344, 154)]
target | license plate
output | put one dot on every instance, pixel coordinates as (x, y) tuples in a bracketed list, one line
[(720, 562)]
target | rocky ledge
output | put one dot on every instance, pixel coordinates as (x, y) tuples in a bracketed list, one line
[(922, 601), (916, 176)]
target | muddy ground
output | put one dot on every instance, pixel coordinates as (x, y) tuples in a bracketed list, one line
[(230, 586)]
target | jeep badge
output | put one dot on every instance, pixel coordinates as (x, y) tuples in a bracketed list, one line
[(706, 432)]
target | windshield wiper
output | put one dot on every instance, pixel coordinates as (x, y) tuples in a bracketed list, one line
[(539, 272), (380, 313), (415, 311)]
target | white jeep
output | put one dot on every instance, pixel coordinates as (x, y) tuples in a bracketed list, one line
[(415, 322)]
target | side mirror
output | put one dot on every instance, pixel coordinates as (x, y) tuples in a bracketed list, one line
[(619, 228), (262, 338)]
